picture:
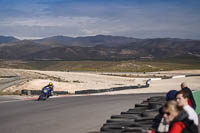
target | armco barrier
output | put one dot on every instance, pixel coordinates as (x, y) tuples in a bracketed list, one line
[(178, 76), (196, 95), (156, 79)]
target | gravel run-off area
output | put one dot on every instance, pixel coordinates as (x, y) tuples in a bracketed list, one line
[(74, 81)]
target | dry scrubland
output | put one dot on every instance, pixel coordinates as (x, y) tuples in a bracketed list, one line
[(138, 65), (72, 81)]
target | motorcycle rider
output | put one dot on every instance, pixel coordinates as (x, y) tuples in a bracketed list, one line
[(50, 87)]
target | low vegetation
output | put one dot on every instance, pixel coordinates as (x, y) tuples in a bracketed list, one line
[(139, 65)]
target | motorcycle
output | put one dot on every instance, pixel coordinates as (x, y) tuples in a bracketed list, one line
[(45, 93)]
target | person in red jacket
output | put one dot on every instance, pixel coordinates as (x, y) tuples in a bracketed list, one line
[(178, 119)]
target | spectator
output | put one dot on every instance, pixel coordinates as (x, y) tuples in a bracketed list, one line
[(182, 99), (171, 95), (178, 119), (162, 126), (191, 100)]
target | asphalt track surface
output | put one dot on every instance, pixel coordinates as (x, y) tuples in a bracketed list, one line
[(79, 114)]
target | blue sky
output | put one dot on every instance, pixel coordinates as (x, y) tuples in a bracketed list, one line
[(132, 18)]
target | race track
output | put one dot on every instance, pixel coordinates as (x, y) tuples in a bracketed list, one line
[(79, 114)]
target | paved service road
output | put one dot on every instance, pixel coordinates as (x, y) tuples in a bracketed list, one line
[(79, 114)]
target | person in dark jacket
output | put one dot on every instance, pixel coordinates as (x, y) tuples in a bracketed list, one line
[(178, 119), (191, 100)]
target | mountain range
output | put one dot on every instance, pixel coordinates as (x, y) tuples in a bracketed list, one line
[(99, 47)]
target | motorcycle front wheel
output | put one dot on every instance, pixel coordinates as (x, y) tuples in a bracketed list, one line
[(42, 97)]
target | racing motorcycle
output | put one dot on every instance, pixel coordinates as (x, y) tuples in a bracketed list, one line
[(45, 93)]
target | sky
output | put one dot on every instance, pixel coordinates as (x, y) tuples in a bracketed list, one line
[(31, 19)]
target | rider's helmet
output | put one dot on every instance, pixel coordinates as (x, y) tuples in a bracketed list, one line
[(51, 84)]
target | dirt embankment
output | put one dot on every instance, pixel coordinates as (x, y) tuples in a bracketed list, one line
[(73, 81)]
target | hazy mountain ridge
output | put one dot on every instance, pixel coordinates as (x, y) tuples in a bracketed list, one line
[(7, 39), (106, 40), (97, 47)]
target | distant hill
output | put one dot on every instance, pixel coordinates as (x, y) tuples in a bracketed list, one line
[(166, 47), (106, 40), (7, 39), (20, 49), (100, 47)]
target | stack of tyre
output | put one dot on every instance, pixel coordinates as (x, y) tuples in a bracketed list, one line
[(135, 120)]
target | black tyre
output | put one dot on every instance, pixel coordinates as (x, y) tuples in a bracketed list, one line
[(142, 105), (156, 99), (42, 97), (142, 108), (120, 120), (124, 116), (112, 130), (152, 114), (141, 124), (135, 130), (116, 127), (155, 105), (124, 124), (133, 112), (137, 110), (145, 119), (98, 132)]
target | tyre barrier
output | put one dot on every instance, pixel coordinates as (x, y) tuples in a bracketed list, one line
[(8, 76), (191, 75), (38, 92), (91, 91), (61, 92), (135, 120), (25, 92), (150, 113), (86, 91), (124, 116)]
